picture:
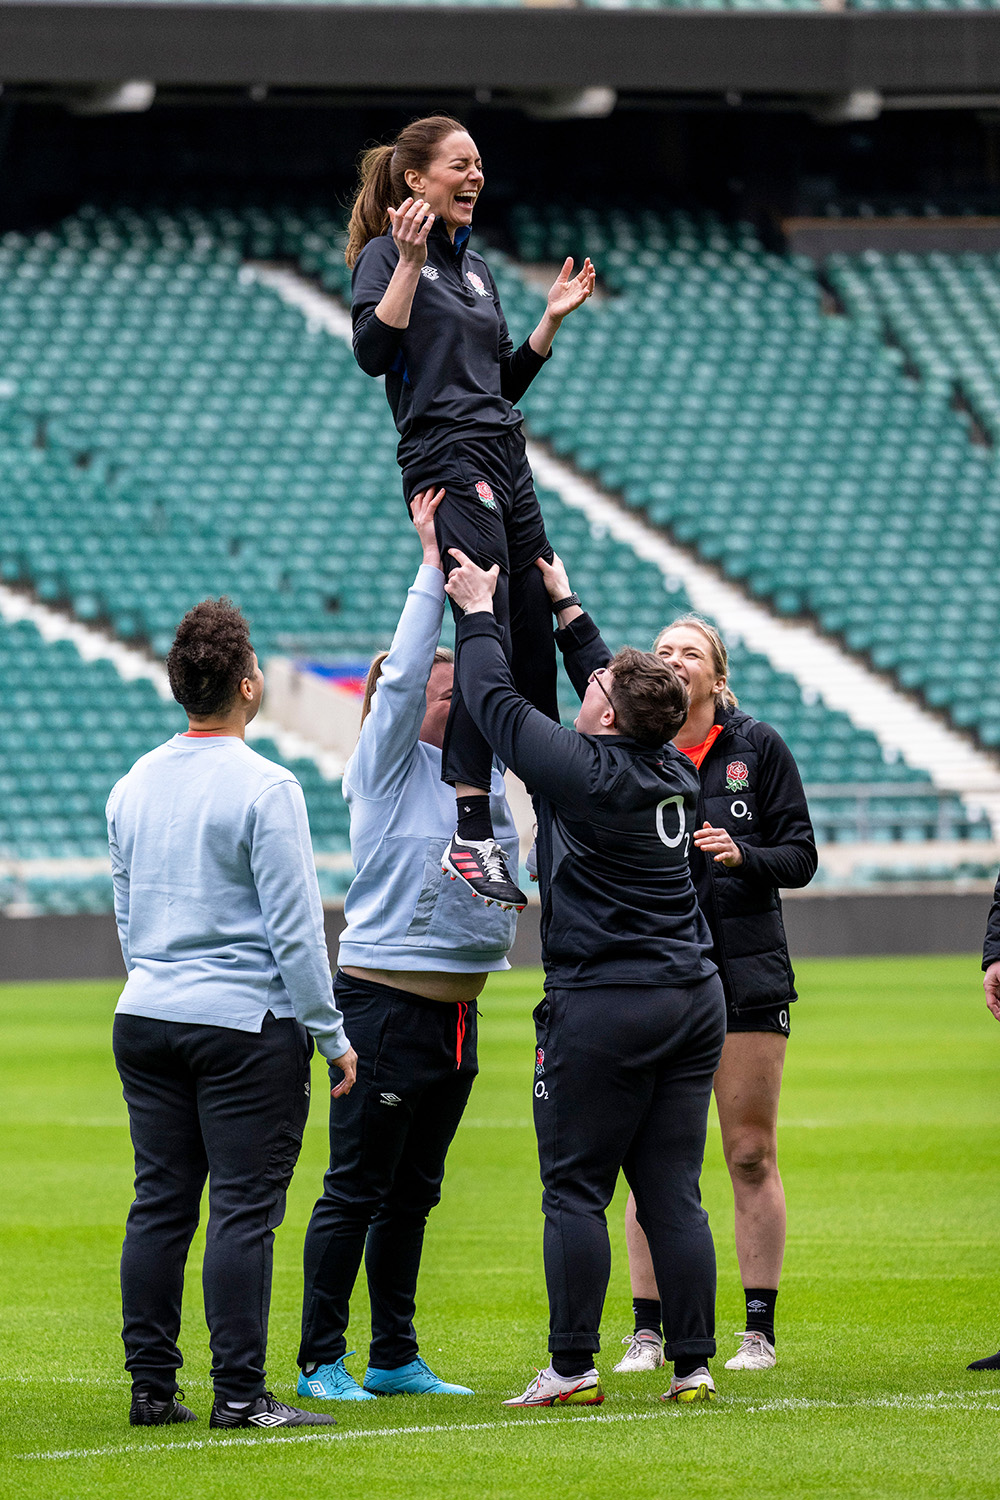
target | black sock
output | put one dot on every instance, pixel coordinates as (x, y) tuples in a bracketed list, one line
[(688, 1363), (474, 818), (647, 1315), (569, 1363), (760, 1310)]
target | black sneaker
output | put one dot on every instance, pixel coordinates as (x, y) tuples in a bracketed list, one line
[(991, 1362), (483, 866), (147, 1411), (265, 1411)]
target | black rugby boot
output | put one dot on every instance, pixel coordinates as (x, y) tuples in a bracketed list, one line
[(148, 1411), (482, 864), (265, 1411)]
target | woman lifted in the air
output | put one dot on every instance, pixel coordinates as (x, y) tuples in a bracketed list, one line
[(427, 316)]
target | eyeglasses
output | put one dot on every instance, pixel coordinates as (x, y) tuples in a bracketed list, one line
[(596, 677)]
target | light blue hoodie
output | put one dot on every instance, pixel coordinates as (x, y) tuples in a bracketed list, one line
[(402, 912), (216, 897)]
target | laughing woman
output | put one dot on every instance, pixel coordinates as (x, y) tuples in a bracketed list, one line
[(427, 316)]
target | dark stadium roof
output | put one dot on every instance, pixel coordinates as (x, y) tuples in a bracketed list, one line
[(451, 47)]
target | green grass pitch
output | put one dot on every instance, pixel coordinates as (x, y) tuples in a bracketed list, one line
[(890, 1151)]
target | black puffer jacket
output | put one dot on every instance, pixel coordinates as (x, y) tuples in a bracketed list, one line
[(750, 785)]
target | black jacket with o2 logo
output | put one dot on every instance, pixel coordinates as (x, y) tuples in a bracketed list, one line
[(614, 831), (453, 371), (749, 785)]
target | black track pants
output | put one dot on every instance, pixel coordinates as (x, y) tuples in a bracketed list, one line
[(207, 1101), (623, 1079), (491, 513), (388, 1142)]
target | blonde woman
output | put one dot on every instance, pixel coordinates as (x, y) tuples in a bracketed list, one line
[(754, 836)]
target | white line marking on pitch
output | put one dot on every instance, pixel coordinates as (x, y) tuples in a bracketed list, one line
[(932, 1401)]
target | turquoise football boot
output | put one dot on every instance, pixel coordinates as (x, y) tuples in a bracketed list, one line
[(332, 1383), (414, 1379)]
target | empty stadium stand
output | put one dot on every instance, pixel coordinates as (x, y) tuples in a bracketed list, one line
[(792, 447), (170, 429)]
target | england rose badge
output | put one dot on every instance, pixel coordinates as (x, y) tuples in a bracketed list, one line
[(737, 776)]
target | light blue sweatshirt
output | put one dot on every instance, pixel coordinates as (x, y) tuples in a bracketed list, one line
[(402, 912), (216, 897)]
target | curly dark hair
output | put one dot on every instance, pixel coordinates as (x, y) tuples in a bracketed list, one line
[(650, 701), (209, 658)]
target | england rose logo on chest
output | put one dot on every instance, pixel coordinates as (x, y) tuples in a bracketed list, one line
[(737, 776), (477, 283)]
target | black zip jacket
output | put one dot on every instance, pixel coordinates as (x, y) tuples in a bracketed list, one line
[(749, 785), (453, 370), (614, 831), (991, 947)]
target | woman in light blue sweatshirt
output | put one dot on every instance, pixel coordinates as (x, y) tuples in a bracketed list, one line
[(413, 958)]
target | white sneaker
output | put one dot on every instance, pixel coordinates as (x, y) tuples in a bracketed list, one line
[(644, 1352), (754, 1353), (698, 1386), (550, 1389)]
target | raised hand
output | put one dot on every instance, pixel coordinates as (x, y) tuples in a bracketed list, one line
[(555, 576), (566, 294), (470, 586), (411, 224), (422, 509)]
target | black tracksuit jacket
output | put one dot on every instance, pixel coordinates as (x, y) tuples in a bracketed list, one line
[(614, 830), (453, 371), (749, 784)]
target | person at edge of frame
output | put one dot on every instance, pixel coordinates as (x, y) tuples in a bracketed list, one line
[(991, 985), (427, 316), (221, 927), (754, 836), (631, 1028), (414, 958)]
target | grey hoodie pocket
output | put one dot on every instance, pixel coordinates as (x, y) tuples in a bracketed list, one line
[(430, 890)]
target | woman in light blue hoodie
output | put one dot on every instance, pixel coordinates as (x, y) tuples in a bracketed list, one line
[(413, 958)]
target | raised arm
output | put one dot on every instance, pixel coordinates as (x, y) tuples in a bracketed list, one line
[(383, 286), (392, 727), (578, 638), (518, 367), (566, 294), (557, 762)]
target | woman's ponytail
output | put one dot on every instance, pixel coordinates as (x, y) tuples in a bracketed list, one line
[(370, 210)]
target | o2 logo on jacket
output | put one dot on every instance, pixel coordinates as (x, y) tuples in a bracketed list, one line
[(477, 283), (486, 495), (737, 776)]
